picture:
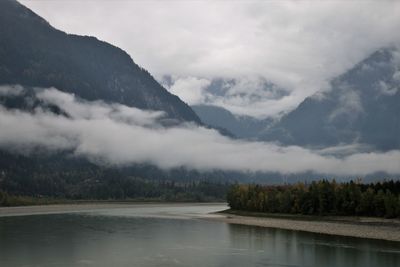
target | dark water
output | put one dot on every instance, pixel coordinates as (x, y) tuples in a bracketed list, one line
[(166, 236)]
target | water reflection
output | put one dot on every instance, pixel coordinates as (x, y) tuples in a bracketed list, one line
[(111, 238), (291, 248)]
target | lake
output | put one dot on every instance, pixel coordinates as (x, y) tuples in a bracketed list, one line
[(174, 235)]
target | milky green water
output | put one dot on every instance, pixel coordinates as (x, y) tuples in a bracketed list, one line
[(170, 236)]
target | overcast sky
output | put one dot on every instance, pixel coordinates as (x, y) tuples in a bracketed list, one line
[(298, 45)]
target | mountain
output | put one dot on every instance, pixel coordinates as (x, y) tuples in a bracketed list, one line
[(33, 53), (240, 126), (362, 106), (245, 93)]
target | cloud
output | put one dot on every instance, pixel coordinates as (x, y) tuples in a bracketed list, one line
[(11, 90), (298, 45), (96, 110), (190, 89), (396, 76), (121, 135), (387, 89), (244, 96), (349, 104)]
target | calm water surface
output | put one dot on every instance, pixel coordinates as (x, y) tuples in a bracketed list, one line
[(175, 236)]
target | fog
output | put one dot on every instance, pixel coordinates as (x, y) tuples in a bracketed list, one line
[(297, 45), (120, 135)]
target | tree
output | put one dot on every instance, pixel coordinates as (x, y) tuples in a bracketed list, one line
[(319, 198)]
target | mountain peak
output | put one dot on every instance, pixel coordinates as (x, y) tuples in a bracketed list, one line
[(35, 54), (362, 106)]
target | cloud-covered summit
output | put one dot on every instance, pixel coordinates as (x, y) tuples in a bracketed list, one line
[(361, 107), (246, 96), (296, 45)]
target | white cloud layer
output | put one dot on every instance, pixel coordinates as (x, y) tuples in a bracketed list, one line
[(13, 90), (298, 45), (122, 135), (245, 96), (190, 89)]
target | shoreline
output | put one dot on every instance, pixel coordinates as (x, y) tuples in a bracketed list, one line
[(83, 207), (359, 227)]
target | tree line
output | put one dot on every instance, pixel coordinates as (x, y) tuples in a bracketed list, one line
[(322, 197), (118, 188), (45, 177)]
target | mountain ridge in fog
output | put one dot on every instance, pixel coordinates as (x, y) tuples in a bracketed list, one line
[(362, 106), (97, 76), (35, 54)]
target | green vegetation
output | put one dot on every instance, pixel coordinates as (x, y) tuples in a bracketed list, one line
[(7, 200), (125, 189), (58, 177), (319, 198)]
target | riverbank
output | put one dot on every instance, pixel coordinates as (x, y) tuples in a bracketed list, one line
[(7, 200), (93, 206), (362, 227)]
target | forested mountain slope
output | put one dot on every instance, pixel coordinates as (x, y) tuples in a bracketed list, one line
[(33, 53)]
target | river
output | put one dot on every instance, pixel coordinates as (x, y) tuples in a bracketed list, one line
[(174, 235)]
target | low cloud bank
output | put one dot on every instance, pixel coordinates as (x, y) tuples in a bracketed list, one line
[(121, 135), (246, 96)]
